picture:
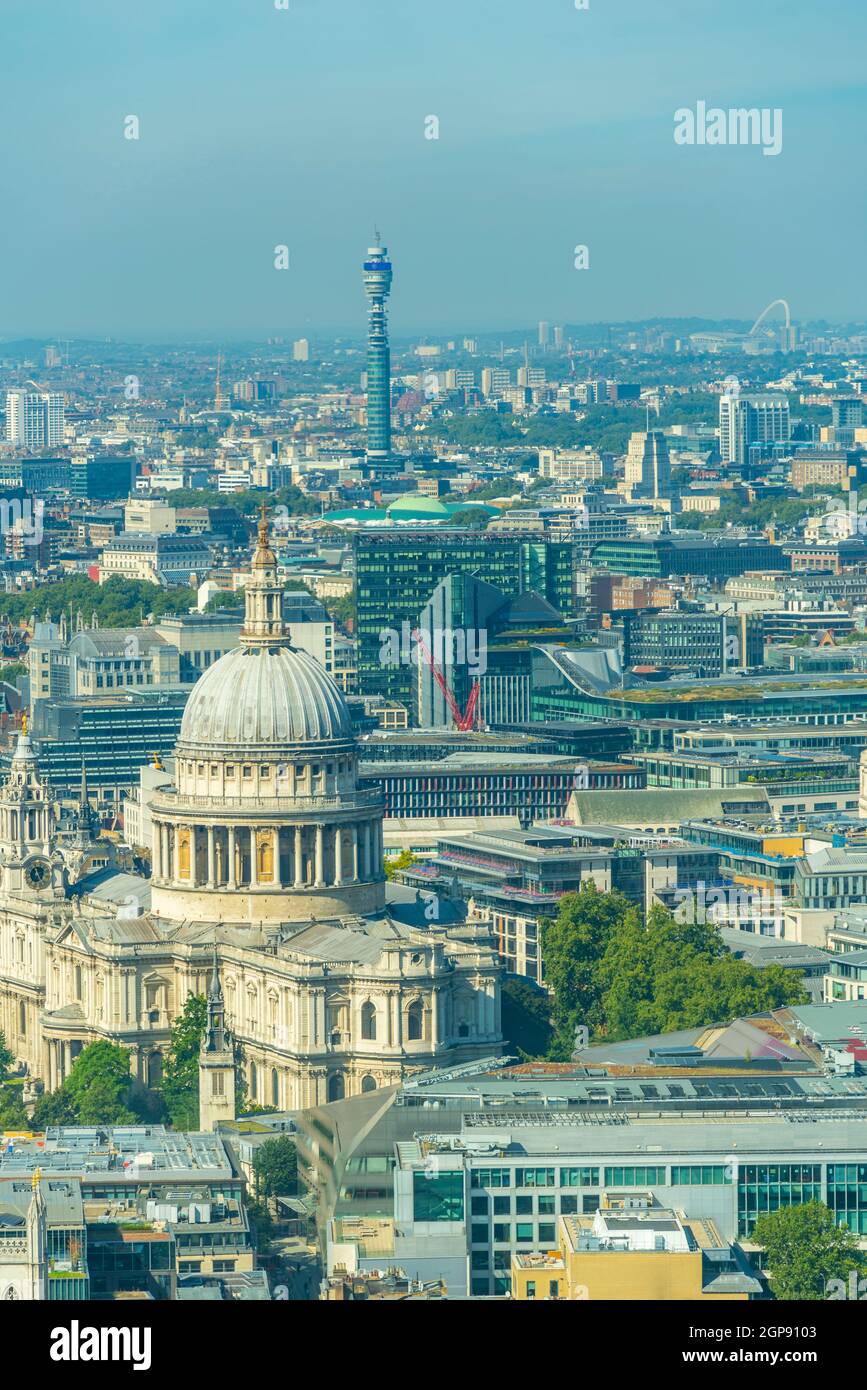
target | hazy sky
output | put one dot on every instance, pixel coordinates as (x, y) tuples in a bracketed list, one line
[(305, 127)]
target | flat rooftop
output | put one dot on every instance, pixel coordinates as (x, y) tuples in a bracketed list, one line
[(119, 1153)]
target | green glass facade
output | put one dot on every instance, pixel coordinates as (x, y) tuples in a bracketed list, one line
[(438, 1196), (847, 1195), (767, 1187), (397, 575)]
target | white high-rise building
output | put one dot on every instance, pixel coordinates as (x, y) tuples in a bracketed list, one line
[(301, 350), (647, 472), (35, 419), (746, 420)]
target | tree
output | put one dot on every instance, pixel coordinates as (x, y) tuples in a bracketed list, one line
[(805, 1249), (275, 1168), (572, 945), (97, 1091), (7, 1057), (526, 1018), (342, 610), (624, 977), (396, 862), (54, 1108), (179, 1085), (99, 1085), (12, 1112), (666, 975)]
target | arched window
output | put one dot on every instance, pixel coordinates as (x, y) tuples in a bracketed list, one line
[(22, 1019), (415, 1021), (275, 1087), (368, 1083), (254, 1082), (336, 1088), (78, 982), (463, 1030), (368, 1020)]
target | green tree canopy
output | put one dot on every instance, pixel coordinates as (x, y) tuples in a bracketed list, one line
[(275, 1167), (7, 1057), (12, 1112), (396, 862), (179, 1085), (623, 977), (805, 1249), (116, 603), (98, 1090)]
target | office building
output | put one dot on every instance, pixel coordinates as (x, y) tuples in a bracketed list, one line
[(396, 576), (632, 1248), (126, 1211), (745, 420), (35, 419), (455, 1176), (648, 473), (709, 644), (663, 557)]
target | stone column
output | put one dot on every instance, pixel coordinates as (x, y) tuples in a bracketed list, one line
[(299, 857), (366, 861), (254, 858), (232, 879), (435, 1018), (176, 852), (338, 857), (156, 849), (355, 854), (212, 858), (194, 855), (319, 881)]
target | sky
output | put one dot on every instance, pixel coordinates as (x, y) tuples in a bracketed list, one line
[(305, 127)]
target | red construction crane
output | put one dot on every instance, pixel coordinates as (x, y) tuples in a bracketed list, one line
[(465, 720)]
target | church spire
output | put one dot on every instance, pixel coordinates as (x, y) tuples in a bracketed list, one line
[(216, 1061)]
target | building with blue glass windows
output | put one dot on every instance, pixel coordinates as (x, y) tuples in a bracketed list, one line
[(454, 1175)]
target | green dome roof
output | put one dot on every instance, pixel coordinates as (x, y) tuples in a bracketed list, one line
[(419, 506)]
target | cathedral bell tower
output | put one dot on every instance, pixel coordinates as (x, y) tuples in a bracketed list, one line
[(25, 822), (216, 1063)]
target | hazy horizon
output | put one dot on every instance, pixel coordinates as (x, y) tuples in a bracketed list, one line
[(306, 128)]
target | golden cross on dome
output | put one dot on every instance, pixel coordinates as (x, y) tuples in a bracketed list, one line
[(37, 1178), (24, 724)]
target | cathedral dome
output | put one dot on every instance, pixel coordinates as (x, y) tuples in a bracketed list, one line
[(264, 697)]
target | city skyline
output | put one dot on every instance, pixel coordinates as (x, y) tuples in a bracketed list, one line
[(174, 233)]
